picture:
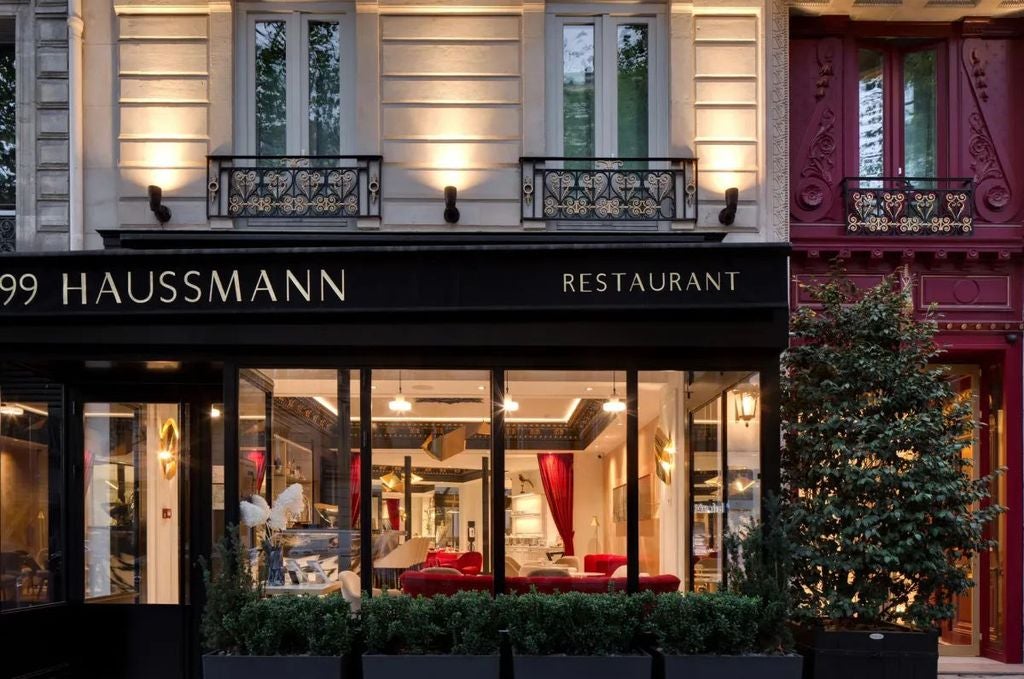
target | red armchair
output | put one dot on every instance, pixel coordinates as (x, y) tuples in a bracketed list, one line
[(658, 584), (470, 563), (418, 583)]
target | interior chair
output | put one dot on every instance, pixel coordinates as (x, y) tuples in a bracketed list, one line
[(620, 572), (470, 563), (544, 572), (571, 562), (351, 589), (410, 554), (512, 567)]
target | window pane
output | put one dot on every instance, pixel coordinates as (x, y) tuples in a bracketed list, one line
[(132, 453), (632, 90), (919, 135), (7, 114), (271, 88), (578, 90), (707, 509), (871, 105), (431, 476), (30, 510), (324, 88)]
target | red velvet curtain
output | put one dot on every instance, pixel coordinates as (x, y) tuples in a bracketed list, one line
[(353, 488), (393, 516), (259, 458), (556, 477)]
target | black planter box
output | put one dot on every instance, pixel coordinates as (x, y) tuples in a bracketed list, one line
[(273, 666), (881, 654), (411, 666), (582, 666), (732, 666)]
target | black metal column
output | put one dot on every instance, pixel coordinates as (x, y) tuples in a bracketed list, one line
[(632, 483), (771, 429), (343, 491), (485, 528), (498, 488), (365, 482), (407, 497), (231, 486)]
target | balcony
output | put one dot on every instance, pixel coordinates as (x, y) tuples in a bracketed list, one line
[(8, 231), (293, 187), (609, 191), (908, 206)]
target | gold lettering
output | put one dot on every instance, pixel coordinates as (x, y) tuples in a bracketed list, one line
[(79, 288), (712, 279), (290, 280), (188, 283), (131, 294), (108, 287), (693, 282), (325, 278), (168, 286), (233, 284), (263, 284), (674, 282)]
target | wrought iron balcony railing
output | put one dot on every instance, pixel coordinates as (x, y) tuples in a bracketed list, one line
[(293, 187), (609, 190), (8, 230), (909, 206)]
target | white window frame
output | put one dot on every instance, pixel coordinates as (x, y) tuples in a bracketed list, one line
[(297, 17), (606, 19)]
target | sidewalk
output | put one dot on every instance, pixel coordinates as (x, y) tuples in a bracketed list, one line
[(975, 668)]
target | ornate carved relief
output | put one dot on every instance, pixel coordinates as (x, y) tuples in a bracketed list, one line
[(978, 73), (993, 190), (825, 72), (817, 189)]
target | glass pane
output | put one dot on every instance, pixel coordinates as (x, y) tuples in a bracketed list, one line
[(431, 477), (565, 481), (324, 88), (872, 110), (632, 90), (30, 473), (743, 453), (271, 88), (998, 563), (299, 493), (8, 117), (132, 454), (919, 133), (707, 508), (663, 514), (578, 120)]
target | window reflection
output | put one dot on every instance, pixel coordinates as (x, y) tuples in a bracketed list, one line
[(871, 113), (919, 134)]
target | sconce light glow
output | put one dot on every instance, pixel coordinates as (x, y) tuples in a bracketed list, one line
[(746, 405), (214, 412), (614, 405), (399, 404), (510, 405)]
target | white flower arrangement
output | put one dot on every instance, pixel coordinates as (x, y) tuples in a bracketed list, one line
[(255, 512)]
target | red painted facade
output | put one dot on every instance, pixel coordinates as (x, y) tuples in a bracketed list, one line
[(972, 283)]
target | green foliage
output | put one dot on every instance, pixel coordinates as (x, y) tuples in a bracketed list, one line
[(229, 588), (715, 623), (761, 566), (879, 504), (463, 624), (296, 625), (572, 623)]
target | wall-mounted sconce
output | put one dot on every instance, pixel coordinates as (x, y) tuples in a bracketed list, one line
[(728, 214), (156, 196), (451, 213), (745, 399), (168, 455)]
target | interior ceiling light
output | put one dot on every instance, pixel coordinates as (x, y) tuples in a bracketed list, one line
[(11, 409), (399, 404), (510, 404), (614, 404)]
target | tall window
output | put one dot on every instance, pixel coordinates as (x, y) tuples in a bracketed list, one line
[(601, 96), (294, 83), (7, 114), (898, 111)]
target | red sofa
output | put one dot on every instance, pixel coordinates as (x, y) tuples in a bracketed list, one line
[(418, 583), (603, 563), (590, 585)]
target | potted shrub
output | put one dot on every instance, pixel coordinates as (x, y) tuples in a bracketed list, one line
[(554, 636), (716, 636), (880, 509), (443, 636), (262, 638)]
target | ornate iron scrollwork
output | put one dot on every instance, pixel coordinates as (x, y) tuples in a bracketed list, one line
[(609, 189), (8, 231), (294, 187), (909, 206)]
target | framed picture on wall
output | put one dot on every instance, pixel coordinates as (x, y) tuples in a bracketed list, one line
[(646, 500)]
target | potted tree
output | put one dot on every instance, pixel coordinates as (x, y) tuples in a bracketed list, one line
[(441, 636), (597, 636), (880, 508), (267, 638)]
